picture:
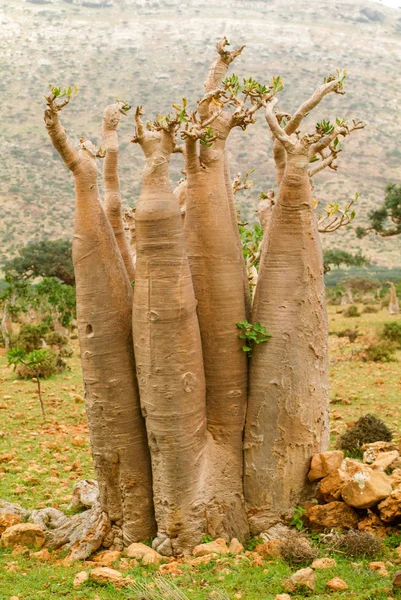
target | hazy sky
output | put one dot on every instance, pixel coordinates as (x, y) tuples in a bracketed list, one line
[(392, 3)]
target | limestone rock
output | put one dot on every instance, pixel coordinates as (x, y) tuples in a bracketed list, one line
[(380, 567), (324, 463), (107, 557), (304, 578), (85, 494), (80, 578), (373, 524), (337, 585), (329, 488), (323, 563), (8, 520), (43, 555), (107, 575), (283, 597), (366, 488), (20, 550), (397, 579), (218, 546), (272, 548), (385, 460), (144, 553), (395, 478), (372, 451), (390, 508), (25, 534), (235, 547), (201, 560), (334, 515), (172, 568)]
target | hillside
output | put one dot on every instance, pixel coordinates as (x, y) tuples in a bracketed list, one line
[(152, 53)]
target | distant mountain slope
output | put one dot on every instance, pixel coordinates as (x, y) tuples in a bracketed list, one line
[(152, 53)]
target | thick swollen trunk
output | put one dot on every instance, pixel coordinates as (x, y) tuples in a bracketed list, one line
[(287, 418), (394, 307), (217, 272), (112, 198), (104, 312), (168, 352), (104, 309), (233, 214)]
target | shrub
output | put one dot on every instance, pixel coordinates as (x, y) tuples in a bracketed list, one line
[(296, 549), (382, 351), (30, 337), (360, 544), (366, 430), (392, 331), (351, 334), (53, 338), (351, 311), (50, 366), (370, 309)]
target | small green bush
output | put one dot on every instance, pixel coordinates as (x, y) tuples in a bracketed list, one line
[(351, 334), (392, 332), (53, 338), (50, 366), (382, 351), (367, 429), (30, 337), (352, 311), (370, 309)]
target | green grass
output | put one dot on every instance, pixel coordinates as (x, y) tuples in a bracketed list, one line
[(48, 458)]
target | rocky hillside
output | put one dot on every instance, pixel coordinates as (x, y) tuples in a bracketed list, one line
[(152, 52)]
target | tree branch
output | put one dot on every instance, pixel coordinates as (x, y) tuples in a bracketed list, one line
[(311, 103), (274, 125), (219, 67), (58, 134)]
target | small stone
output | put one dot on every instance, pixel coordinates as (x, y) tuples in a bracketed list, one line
[(20, 550), (304, 578), (272, 548), (283, 597), (152, 558), (257, 561), (139, 551), (172, 568), (201, 560), (25, 534), (395, 478), (107, 557), (380, 567), (235, 547), (80, 578), (8, 520), (43, 555), (397, 579), (323, 563), (107, 575), (218, 546), (390, 508), (324, 463), (366, 488), (337, 585), (334, 515)]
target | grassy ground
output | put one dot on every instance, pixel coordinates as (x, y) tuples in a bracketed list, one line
[(40, 462)]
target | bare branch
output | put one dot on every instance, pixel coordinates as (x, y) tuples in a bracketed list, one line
[(311, 103), (58, 134), (274, 125), (219, 67)]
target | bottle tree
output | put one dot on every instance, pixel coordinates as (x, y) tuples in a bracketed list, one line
[(203, 410)]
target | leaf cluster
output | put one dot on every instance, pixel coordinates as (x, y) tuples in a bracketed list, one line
[(253, 334)]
